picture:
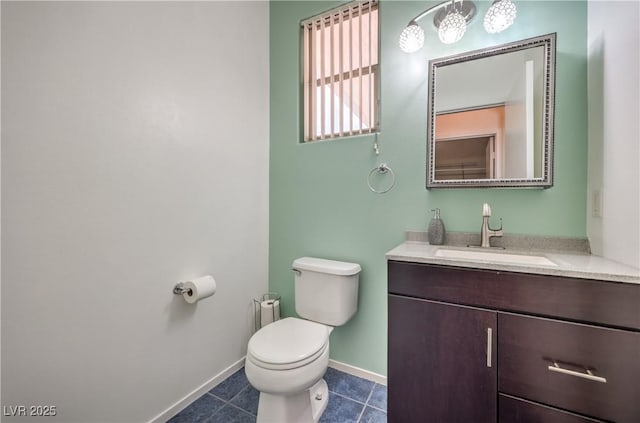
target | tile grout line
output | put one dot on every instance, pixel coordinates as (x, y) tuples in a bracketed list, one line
[(349, 398), (239, 392), (242, 409), (247, 387), (230, 405), (360, 402), (366, 402), (225, 402), (376, 408), (218, 410), (384, 410)]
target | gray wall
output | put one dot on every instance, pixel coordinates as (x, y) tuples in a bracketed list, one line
[(134, 154), (614, 129)]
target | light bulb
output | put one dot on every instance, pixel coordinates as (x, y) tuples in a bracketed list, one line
[(412, 38), (452, 27), (500, 16)]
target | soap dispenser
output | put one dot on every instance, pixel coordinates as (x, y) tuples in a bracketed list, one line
[(435, 232)]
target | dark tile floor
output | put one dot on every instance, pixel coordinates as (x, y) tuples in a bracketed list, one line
[(351, 400)]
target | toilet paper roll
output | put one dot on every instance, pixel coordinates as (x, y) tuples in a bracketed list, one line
[(199, 288), (269, 312)]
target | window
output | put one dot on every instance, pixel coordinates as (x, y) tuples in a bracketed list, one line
[(340, 71)]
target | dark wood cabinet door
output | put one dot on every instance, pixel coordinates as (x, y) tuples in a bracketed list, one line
[(441, 363)]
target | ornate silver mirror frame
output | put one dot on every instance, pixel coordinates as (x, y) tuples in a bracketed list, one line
[(542, 108)]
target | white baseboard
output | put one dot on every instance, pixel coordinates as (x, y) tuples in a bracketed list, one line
[(357, 371), (197, 393)]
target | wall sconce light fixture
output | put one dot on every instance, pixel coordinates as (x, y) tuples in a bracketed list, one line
[(500, 16), (452, 19)]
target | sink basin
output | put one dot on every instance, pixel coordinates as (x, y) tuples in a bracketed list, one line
[(491, 256)]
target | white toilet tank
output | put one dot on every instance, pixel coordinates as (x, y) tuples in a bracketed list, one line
[(326, 291)]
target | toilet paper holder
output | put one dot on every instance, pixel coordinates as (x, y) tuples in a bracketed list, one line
[(179, 289)]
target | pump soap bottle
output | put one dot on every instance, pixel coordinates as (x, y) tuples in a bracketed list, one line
[(435, 232)]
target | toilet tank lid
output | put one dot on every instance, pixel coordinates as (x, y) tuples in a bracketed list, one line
[(331, 267)]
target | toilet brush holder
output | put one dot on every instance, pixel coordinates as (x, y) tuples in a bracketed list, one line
[(266, 309)]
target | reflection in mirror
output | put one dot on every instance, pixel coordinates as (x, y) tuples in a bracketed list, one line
[(491, 116)]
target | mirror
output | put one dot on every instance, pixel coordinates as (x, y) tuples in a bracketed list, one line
[(490, 121)]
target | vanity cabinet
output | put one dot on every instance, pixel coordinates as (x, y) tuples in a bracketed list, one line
[(470, 345), (440, 363)]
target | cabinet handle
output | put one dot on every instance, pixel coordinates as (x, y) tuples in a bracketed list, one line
[(588, 375), (489, 347)]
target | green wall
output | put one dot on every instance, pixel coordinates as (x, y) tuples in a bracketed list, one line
[(320, 204)]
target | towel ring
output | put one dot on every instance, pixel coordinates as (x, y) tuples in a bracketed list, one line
[(382, 169)]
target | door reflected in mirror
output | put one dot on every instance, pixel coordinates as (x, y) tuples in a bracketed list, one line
[(491, 116)]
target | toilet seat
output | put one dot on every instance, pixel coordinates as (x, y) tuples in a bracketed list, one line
[(288, 343)]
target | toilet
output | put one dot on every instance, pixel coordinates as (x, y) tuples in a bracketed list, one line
[(287, 359)]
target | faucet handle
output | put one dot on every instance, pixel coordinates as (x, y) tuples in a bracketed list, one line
[(486, 210), (496, 229)]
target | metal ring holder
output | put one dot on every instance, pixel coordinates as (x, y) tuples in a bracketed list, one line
[(382, 169)]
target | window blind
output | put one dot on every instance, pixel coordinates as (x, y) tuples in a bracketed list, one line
[(340, 71)]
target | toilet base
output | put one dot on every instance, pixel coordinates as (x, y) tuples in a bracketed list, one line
[(319, 395), (304, 407)]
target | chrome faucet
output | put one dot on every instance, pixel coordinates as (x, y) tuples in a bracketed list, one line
[(486, 233)]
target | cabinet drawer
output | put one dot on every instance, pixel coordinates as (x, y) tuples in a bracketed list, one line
[(517, 410), (529, 346), (582, 300)]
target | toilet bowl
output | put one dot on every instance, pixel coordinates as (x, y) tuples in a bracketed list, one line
[(285, 362), (287, 359)]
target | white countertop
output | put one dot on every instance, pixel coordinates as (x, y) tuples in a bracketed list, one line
[(573, 265)]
